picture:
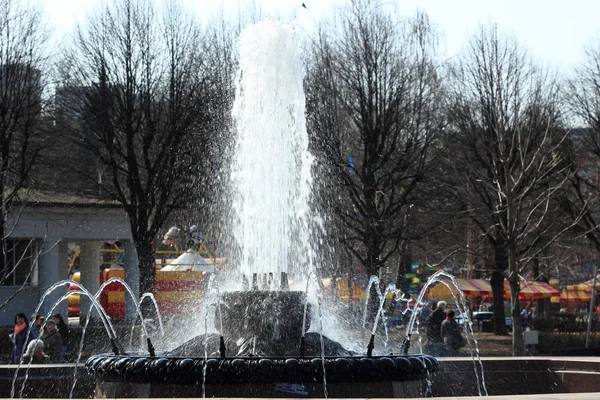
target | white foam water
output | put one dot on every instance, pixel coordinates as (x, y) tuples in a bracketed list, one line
[(271, 171)]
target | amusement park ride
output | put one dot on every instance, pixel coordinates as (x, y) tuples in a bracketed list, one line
[(180, 279)]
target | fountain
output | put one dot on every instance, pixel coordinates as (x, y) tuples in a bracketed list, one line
[(262, 349)]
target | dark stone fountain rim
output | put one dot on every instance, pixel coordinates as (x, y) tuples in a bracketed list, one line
[(180, 370)]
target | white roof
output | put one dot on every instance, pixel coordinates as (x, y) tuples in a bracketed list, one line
[(190, 261)]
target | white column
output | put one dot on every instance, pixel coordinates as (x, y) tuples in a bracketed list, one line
[(52, 267), (132, 278), (89, 263)]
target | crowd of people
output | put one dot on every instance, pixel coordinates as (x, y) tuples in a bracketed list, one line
[(443, 333), (44, 341)]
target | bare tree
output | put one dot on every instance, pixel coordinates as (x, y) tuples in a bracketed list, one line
[(23, 58), (584, 146), (505, 118), (144, 82), (373, 105)]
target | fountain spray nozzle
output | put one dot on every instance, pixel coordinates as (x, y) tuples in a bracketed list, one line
[(115, 347), (406, 345), (302, 346), (285, 284), (371, 346), (150, 347), (222, 348)]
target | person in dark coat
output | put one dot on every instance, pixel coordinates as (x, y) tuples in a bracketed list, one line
[(435, 343), (52, 341), (18, 338), (63, 330), (36, 327), (451, 335)]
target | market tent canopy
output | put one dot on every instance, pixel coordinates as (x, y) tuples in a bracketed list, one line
[(533, 290), (572, 296), (469, 287), (587, 285), (482, 287)]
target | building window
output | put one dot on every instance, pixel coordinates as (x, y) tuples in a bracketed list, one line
[(20, 262)]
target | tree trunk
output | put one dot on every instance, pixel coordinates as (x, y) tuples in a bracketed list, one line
[(403, 266), (518, 343), (514, 281), (374, 299), (497, 283), (373, 307), (543, 305), (3, 210), (145, 251)]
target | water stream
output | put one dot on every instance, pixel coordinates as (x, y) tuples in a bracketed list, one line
[(320, 327), (103, 317), (156, 309), (94, 304), (271, 171), (449, 281)]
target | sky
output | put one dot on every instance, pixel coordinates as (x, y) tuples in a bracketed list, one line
[(553, 31)]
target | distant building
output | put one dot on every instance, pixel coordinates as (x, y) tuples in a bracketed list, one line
[(41, 227)]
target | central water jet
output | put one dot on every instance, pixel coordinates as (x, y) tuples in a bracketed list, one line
[(271, 171)]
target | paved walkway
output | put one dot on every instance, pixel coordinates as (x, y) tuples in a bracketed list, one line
[(562, 396)]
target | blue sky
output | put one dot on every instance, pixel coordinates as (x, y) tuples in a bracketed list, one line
[(553, 31)]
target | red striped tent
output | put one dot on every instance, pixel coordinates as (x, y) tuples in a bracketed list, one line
[(178, 291), (469, 287), (482, 287), (587, 285), (572, 295), (532, 290)]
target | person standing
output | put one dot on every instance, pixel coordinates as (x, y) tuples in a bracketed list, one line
[(532, 316), (18, 338), (451, 335), (434, 329), (524, 318), (52, 341), (35, 353), (63, 330), (36, 328)]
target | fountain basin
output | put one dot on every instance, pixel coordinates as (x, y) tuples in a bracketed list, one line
[(534, 377), (138, 376)]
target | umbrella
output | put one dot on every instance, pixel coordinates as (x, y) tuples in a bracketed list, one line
[(469, 287)]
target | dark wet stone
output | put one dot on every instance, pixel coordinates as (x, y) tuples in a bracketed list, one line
[(139, 365), (418, 364), (184, 366), (261, 370), (292, 362), (105, 365), (122, 365), (404, 365), (388, 364)]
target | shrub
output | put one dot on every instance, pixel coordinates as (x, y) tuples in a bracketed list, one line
[(566, 322), (549, 341)]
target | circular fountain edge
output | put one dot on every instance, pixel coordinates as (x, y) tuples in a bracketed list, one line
[(141, 369)]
